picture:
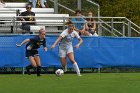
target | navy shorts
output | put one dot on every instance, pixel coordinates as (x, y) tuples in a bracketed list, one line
[(32, 53)]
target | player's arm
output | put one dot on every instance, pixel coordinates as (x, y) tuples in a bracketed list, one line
[(62, 35), (44, 45), (56, 42), (80, 42), (25, 41)]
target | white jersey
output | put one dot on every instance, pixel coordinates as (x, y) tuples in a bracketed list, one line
[(66, 42), (67, 38)]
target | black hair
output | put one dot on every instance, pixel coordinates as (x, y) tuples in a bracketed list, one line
[(28, 5), (78, 11)]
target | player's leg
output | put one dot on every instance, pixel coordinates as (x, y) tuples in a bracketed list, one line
[(32, 61), (32, 64), (30, 57), (62, 54), (75, 66), (37, 59), (28, 69), (63, 63)]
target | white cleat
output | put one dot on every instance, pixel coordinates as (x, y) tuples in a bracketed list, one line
[(79, 75), (65, 69)]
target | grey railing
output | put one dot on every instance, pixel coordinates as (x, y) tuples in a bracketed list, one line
[(108, 26)]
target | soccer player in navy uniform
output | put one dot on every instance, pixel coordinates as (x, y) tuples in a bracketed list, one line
[(32, 52)]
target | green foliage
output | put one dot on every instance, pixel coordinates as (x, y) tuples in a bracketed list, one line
[(124, 8), (115, 8), (15, 0)]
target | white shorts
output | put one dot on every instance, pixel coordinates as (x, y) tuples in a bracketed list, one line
[(64, 51)]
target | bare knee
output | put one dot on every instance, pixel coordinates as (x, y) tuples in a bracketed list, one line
[(34, 65), (32, 61)]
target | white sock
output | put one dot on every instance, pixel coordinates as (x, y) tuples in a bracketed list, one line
[(76, 68), (65, 68)]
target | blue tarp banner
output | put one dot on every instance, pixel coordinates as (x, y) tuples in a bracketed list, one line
[(95, 52)]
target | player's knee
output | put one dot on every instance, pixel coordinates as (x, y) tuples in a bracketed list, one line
[(34, 65)]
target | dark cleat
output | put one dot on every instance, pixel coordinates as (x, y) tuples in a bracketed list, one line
[(38, 75), (28, 71)]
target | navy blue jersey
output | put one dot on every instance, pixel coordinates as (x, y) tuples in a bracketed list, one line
[(35, 43)]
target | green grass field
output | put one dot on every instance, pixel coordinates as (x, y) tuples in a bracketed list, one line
[(71, 83)]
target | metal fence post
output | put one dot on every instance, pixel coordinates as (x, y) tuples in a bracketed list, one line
[(64, 22), (99, 26), (112, 25), (99, 70), (100, 33), (123, 29), (129, 29), (23, 70), (56, 6), (79, 4), (14, 25)]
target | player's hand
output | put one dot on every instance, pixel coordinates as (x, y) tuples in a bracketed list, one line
[(52, 46), (18, 45), (45, 49), (77, 46)]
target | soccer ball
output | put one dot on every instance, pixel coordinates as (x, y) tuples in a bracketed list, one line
[(59, 72)]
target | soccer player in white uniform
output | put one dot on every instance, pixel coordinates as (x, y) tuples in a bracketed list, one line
[(66, 48)]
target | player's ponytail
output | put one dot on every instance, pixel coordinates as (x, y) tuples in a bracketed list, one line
[(68, 22)]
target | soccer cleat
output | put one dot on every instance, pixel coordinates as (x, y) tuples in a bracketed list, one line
[(28, 71), (38, 75), (79, 75), (65, 68), (38, 70)]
